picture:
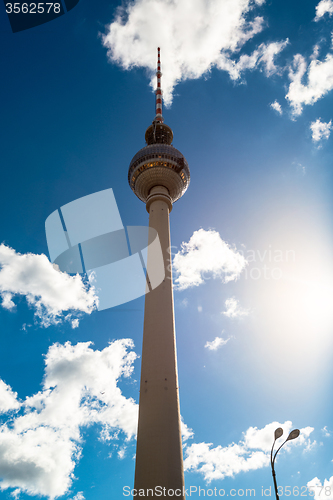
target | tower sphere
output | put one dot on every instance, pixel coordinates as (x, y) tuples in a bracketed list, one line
[(159, 163)]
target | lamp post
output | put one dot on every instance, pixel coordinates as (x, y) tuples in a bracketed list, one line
[(277, 434)]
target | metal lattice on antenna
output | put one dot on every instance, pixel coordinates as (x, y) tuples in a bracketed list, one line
[(158, 91)]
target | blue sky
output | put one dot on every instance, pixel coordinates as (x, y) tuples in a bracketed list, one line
[(248, 94)]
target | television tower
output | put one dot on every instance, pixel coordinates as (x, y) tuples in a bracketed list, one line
[(159, 175)]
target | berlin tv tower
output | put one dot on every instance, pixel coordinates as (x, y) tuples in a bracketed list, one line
[(159, 175)]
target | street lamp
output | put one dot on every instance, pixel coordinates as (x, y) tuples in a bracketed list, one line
[(277, 434)]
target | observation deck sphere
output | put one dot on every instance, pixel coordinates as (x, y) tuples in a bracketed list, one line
[(159, 165)]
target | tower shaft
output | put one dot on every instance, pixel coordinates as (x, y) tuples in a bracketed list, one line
[(159, 175), (159, 457)]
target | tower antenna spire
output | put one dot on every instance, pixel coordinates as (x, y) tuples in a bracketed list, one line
[(158, 91)]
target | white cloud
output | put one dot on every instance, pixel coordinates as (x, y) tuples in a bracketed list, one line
[(233, 309), (262, 438), (79, 496), (262, 57), (40, 448), (75, 323), (206, 255), (8, 398), (194, 36), (122, 452), (320, 130), (221, 462), (48, 290), (251, 453), (310, 445), (326, 431), (236, 68), (216, 343), (7, 302), (319, 81), (315, 53), (187, 433), (277, 107), (268, 54), (324, 7), (318, 489)]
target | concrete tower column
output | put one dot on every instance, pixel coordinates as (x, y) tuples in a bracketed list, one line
[(159, 175), (159, 457)]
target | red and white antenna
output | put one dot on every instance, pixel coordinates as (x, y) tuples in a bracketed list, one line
[(158, 91)]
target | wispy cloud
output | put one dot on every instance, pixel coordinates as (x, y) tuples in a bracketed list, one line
[(194, 37), (250, 453), (326, 431), (319, 81), (206, 255), (324, 7), (263, 58), (299, 167), (233, 309), (216, 343), (46, 289), (277, 107), (122, 452), (79, 496), (40, 447), (320, 130)]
